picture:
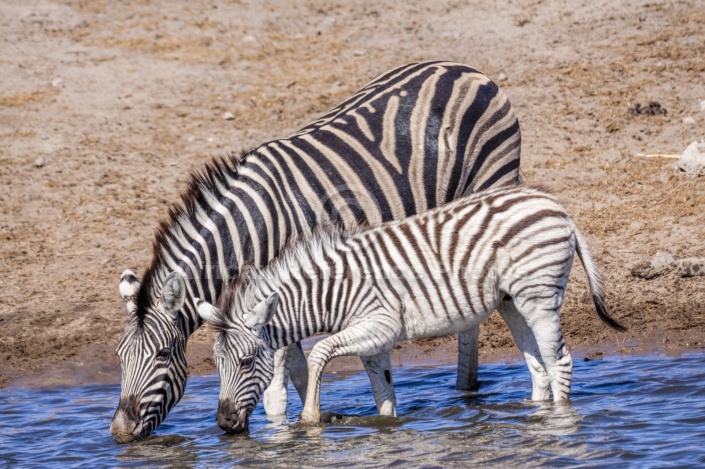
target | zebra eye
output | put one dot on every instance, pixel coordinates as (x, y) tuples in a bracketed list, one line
[(163, 354), (246, 362)]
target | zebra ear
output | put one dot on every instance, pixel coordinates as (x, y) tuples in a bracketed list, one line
[(206, 310), (262, 313), (129, 286), (173, 293)]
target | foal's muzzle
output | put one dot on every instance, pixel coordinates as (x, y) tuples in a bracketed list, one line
[(231, 419)]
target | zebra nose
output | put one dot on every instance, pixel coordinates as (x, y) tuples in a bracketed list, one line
[(126, 420), (229, 419)]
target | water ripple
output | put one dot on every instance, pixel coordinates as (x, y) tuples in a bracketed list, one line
[(635, 411)]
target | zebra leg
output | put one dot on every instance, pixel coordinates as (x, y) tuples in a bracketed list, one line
[(275, 396), (379, 369), (467, 359), (542, 318), (296, 361), (525, 340), (366, 338), (289, 362)]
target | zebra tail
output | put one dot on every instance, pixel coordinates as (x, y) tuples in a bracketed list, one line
[(594, 281)]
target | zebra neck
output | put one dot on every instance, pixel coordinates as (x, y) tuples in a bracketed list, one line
[(305, 284), (217, 230), (295, 322)]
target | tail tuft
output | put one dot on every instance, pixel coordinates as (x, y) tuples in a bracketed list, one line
[(604, 316), (594, 282)]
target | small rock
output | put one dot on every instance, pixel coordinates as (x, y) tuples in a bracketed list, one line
[(57, 83), (228, 116), (39, 162), (502, 77), (249, 39), (691, 267), (328, 22), (702, 105), (688, 120), (663, 261), (692, 161), (644, 270), (359, 52), (652, 109), (659, 264), (451, 36), (592, 356)]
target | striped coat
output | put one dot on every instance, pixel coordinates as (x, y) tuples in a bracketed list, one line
[(432, 274), (414, 138)]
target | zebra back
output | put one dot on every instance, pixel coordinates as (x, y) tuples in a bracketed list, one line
[(412, 139), (440, 271)]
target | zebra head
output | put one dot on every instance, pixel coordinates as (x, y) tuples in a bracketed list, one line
[(244, 358), (152, 356)]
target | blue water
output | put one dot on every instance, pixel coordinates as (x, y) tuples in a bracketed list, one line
[(632, 411)]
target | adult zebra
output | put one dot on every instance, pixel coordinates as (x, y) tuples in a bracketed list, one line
[(412, 139)]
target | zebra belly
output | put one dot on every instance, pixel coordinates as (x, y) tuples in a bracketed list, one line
[(419, 322)]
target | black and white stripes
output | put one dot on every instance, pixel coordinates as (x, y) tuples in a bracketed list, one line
[(432, 274), (412, 139)]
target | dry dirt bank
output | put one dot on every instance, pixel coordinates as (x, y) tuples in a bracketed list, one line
[(105, 107)]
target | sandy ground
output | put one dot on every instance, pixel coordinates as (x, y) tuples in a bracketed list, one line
[(106, 106)]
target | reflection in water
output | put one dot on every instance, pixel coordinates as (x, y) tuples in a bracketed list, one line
[(167, 449), (554, 420), (623, 410)]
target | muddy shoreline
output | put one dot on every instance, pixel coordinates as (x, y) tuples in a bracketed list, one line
[(106, 108), (91, 366)]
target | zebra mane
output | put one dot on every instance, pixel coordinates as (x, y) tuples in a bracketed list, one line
[(253, 283), (203, 184)]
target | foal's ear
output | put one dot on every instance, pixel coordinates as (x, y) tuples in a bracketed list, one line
[(129, 286), (173, 293), (206, 310), (262, 313)]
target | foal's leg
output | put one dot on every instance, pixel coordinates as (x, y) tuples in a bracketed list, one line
[(525, 340), (379, 369), (365, 338), (541, 315)]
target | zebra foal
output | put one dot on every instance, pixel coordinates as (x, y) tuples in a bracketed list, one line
[(432, 274)]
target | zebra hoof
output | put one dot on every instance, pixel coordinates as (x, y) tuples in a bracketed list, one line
[(310, 418)]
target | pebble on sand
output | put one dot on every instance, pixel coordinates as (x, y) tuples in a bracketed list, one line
[(39, 162), (662, 262), (654, 108), (228, 116), (691, 267), (659, 264), (692, 160)]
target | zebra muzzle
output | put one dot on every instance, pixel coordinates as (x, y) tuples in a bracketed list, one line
[(126, 425), (231, 419)]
